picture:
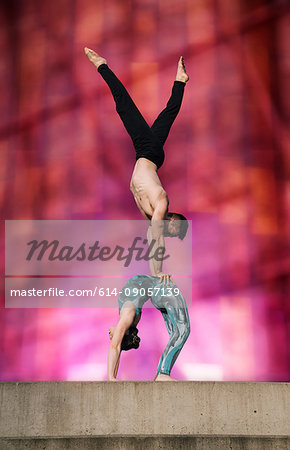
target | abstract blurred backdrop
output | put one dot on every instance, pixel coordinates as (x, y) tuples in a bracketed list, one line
[(65, 155)]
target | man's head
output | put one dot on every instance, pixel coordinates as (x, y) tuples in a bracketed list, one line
[(176, 225)]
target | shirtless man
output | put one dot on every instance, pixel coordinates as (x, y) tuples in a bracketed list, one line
[(145, 184)]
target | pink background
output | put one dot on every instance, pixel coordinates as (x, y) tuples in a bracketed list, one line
[(65, 155)]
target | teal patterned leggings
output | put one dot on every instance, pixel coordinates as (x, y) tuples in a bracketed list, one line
[(138, 289)]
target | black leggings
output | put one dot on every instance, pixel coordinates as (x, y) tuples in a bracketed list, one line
[(148, 142)]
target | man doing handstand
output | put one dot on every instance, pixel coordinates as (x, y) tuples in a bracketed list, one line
[(145, 184)]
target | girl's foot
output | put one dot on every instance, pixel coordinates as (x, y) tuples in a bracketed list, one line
[(163, 377)]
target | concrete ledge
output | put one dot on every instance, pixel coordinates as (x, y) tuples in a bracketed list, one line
[(103, 409), (157, 443)]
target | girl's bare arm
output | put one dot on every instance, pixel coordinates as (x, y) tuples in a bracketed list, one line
[(126, 319)]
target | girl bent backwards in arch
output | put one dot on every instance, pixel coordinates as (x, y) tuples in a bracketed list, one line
[(124, 336)]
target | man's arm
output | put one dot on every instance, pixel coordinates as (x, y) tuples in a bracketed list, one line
[(155, 266), (126, 318), (156, 232)]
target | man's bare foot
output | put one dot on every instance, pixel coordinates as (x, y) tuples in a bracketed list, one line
[(181, 72), (163, 377), (96, 59)]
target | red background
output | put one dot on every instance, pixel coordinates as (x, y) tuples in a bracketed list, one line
[(65, 155)]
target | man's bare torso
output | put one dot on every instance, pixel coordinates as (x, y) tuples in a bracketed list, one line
[(146, 187)]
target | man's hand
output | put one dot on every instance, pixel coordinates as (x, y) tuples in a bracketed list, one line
[(164, 277)]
